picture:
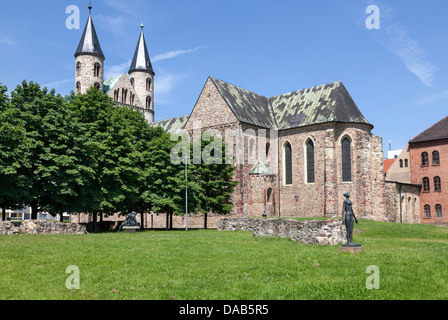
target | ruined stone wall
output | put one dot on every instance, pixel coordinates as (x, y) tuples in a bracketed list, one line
[(40, 227), (402, 203), (323, 232)]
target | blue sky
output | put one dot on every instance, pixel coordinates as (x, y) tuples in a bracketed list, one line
[(397, 75)]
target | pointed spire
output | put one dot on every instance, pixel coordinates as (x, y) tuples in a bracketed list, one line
[(141, 61), (89, 43)]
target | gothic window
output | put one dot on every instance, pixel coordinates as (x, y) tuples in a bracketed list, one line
[(435, 158), (437, 184), (288, 163), (425, 159), (148, 84), (124, 95), (148, 102), (116, 95), (310, 161), (406, 163), (401, 163), (96, 69), (78, 68), (132, 97), (438, 211), (426, 186), (269, 196), (346, 160), (78, 87), (427, 211)]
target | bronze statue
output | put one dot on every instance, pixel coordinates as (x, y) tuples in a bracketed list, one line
[(130, 221), (348, 216)]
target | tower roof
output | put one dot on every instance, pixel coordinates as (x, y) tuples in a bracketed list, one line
[(89, 43), (141, 61)]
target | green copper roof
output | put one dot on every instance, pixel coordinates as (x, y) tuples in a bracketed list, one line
[(326, 103), (109, 84), (261, 168)]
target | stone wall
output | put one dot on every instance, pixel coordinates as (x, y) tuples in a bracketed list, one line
[(40, 227), (322, 232), (403, 202)]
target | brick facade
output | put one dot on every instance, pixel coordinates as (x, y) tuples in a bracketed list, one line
[(420, 171)]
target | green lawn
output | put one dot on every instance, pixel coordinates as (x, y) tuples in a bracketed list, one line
[(209, 264)]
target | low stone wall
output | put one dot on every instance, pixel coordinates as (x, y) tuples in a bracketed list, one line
[(322, 232), (40, 227)]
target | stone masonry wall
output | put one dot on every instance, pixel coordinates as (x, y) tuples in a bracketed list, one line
[(322, 232), (40, 227)]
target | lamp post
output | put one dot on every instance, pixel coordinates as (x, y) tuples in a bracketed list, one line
[(297, 204)]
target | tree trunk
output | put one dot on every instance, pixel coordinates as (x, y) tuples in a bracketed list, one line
[(94, 222), (205, 221), (142, 222), (171, 221), (167, 221), (3, 213), (34, 211)]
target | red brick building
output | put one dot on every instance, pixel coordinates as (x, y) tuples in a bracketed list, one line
[(429, 167)]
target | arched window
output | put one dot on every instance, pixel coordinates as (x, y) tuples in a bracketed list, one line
[(97, 85), (401, 163), (268, 148), (78, 68), (406, 163), (78, 87), (425, 159), (427, 211), (132, 97), (288, 163), (346, 160), (310, 161), (124, 95), (96, 70), (133, 82), (438, 211), (269, 196), (148, 84), (426, 185), (148, 102), (437, 184), (435, 158), (116, 95)]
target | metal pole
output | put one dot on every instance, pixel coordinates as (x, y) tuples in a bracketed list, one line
[(186, 194)]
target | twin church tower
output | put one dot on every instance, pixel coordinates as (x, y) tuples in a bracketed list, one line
[(135, 90)]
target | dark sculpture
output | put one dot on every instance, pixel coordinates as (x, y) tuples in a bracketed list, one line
[(130, 221), (348, 216)]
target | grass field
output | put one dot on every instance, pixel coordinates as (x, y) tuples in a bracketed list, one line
[(212, 265)]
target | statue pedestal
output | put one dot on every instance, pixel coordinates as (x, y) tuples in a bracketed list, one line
[(352, 249), (127, 229)]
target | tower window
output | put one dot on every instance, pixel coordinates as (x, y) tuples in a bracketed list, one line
[(133, 82), (425, 159), (148, 84), (346, 160), (435, 158), (78, 68), (97, 86), (78, 87), (288, 163), (96, 70), (148, 102), (310, 161)]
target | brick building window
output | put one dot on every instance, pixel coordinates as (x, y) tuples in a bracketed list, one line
[(427, 211), (406, 163), (426, 185), (425, 159), (310, 161), (438, 211), (401, 163), (288, 164), (346, 160), (435, 158), (437, 184)]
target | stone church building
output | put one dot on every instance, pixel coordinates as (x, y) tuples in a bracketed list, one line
[(300, 151)]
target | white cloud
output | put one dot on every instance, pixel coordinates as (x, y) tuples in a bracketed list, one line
[(167, 81), (173, 54), (395, 37), (56, 84), (7, 40), (116, 70)]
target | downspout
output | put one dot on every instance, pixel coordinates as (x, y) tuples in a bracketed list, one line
[(401, 212)]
